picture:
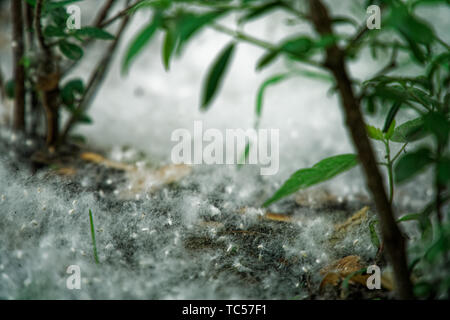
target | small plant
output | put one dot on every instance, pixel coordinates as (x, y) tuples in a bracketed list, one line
[(94, 243)]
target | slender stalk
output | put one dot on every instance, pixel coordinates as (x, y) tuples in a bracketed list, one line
[(389, 166), (119, 15), (94, 243), (393, 239), (103, 13), (399, 152), (238, 35), (19, 70)]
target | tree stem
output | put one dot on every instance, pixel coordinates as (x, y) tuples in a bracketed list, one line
[(393, 239), (19, 70)]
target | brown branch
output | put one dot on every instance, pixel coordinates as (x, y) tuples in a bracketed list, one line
[(95, 80), (38, 28), (119, 15), (103, 13), (393, 240), (19, 70)]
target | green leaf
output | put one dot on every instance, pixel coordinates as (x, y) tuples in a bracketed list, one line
[(390, 132), (267, 59), (410, 26), (70, 89), (412, 164), (269, 82), (191, 23), (168, 47), (53, 31), (259, 11), (70, 50), (84, 118), (391, 116), (215, 75), (92, 32), (374, 133), (322, 171), (139, 42), (410, 217), (409, 131), (244, 155), (373, 234), (297, 47)]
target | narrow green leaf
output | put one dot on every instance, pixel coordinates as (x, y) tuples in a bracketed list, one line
[(269, 82), (410, 217), (168, 47), (267, 59), (388, 135), (215, 75), (373, 234), (391, 116), (94, 243), (139, 42), (259, 11), (92, 32), (322, 171)]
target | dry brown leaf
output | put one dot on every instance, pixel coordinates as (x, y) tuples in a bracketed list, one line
[(341, 269), (99, 159), (149, 180), (69, 171), (278, 217), (355, 220), (344, 266)]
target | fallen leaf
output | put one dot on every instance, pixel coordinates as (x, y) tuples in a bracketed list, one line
[(68, 171), (341, 269), (355, 220)]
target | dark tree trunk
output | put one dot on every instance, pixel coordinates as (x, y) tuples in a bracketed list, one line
[(19, 71)]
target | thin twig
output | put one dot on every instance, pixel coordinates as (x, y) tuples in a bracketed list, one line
[(103, 13), (119, 15)]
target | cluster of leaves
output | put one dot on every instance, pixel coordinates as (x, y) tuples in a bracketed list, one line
[(404, 35), (69, 43)]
